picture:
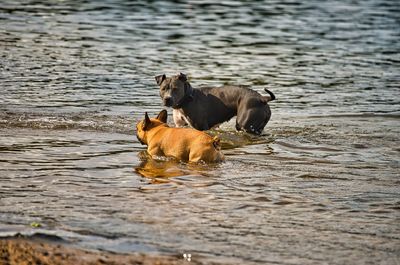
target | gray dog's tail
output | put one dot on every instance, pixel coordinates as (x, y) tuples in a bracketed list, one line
[(270, 97)]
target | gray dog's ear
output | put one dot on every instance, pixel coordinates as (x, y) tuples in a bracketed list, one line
[(160, 79), (146, 122), (163, 116), (182, 77)]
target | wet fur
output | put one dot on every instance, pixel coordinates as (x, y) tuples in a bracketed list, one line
[(185, 144), (206, 107)]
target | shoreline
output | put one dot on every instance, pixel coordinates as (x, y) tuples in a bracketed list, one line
[(22, 250)]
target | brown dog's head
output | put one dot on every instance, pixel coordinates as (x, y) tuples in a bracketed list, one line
[(173, 90), (149, 123)]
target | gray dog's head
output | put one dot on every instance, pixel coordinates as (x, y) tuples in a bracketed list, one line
[(172, 89)]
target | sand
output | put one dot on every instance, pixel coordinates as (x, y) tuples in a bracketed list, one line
[(31, 251)]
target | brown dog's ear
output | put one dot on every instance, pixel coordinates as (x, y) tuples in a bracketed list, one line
[(162, 116), (182, 77), (146, 122), (160, 79)]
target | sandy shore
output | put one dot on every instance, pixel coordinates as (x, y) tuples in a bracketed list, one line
[(32, 251)]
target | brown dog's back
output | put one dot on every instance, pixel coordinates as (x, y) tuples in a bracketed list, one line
[(182, 143), (190, 145)]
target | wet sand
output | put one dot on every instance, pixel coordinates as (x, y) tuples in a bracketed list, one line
[(34, 251)]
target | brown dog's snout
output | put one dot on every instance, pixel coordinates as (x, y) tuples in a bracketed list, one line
[(140, 140)]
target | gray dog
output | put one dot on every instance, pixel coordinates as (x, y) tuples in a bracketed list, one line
[(207, 107)]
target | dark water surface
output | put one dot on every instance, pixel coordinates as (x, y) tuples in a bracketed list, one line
[(320, 186)]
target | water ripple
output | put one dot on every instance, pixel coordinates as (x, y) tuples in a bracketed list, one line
[(320, 185)]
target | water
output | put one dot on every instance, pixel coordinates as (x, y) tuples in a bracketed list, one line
[(321, 185)]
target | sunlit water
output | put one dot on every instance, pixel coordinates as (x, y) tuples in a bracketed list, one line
[(321, 185)]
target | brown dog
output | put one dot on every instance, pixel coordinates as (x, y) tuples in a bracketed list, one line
[(185, 144)]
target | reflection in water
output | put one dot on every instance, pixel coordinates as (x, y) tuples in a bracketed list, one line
[(161, 169)]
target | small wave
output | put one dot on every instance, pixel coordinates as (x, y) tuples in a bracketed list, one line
[(307, 148), (359, 115), (76, 121)]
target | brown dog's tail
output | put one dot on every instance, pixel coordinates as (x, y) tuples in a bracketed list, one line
[(268, 98), (216, 143)]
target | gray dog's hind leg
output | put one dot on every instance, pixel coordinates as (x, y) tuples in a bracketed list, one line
[(253, 120)]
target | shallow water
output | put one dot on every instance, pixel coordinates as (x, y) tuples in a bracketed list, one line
[(321, 185)]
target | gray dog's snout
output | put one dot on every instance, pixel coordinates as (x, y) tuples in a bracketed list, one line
[(168, 101)]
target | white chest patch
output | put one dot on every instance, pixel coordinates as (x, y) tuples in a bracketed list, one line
[(180, 119)]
